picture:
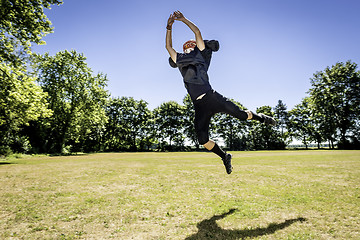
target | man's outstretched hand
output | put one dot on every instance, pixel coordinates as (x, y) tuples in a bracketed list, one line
[(170, 21), (179, 16)]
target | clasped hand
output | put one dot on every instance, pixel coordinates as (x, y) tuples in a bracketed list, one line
[(177, 15)]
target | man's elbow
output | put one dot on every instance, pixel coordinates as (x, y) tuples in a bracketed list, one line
[(197, 32)]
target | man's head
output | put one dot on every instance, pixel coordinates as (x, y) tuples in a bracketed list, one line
[(189, 46)]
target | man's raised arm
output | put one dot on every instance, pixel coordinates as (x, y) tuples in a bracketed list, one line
[(199, 40), (168, 40)]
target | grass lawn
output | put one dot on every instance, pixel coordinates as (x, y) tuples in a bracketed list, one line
[(270, 195)]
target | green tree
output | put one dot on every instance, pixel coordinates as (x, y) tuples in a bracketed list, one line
[(262, 136), (76, 97), (301, 123), (129, 125), (21, 101), (282, 118), (189, 117), (143, 131), (22, 23), (231, 130), (169, 119), (114, 132), (335, 93)]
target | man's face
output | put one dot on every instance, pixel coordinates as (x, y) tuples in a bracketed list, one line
[(189, 46), (188, 50)]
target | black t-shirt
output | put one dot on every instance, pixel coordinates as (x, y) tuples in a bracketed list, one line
[(207, 53), (194, 73), (194, 66)]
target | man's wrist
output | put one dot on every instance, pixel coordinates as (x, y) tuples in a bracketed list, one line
[(169, 27)]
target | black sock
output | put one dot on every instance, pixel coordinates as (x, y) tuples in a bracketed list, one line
[(217, 150), (257, 117)]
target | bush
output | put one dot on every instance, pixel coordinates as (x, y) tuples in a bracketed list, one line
[(5, 151)]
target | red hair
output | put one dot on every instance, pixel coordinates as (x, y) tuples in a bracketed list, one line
[(189, 44)]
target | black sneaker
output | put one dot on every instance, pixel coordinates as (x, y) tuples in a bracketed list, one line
[(268, 120), (227, 163)]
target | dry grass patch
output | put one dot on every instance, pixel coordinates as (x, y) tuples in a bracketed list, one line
[(270, 195)]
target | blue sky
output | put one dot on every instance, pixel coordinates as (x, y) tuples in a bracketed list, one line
[(269, 49)]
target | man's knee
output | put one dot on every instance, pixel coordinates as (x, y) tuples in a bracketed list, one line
[(209, 145)]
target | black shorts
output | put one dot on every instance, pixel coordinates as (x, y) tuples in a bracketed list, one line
[(208, 106)]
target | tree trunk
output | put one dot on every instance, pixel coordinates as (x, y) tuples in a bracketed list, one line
[(304, 141)]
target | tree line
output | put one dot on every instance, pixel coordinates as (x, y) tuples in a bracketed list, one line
[(56, 104)]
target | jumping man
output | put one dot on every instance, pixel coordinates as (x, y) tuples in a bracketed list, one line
[(193, 65)]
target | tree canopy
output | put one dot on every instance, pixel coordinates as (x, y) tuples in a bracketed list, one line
[(335, 94), (22, 23), (56, 104), (75, 95)]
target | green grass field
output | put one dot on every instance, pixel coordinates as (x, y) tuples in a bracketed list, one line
[(270, 195)]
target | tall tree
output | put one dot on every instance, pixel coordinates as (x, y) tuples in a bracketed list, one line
[(231, 130), (21, 101), (262, 136), (143, 131), (22, 23), (281, 115), (113, 140), (189, 117), (129, 124), (169, 119), (75, 95), (336, 97), (301, 123)]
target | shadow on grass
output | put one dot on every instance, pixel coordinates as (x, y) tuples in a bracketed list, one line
[(5, 163), (209, 229)]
